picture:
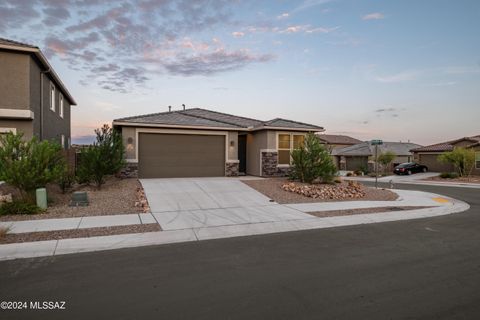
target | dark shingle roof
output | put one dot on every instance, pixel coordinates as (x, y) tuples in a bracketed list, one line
[(448, 145), (207, 118), (338, 139), (367, 149)]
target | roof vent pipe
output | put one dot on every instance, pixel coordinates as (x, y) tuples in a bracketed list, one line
[(183, 105), (169, 108)]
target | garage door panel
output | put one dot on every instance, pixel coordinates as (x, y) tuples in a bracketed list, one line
[(178, 155), (432, 163)]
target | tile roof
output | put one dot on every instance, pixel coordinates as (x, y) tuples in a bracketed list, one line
[(338, 139), (367, 149), (208, 118), (290, 124), (448, 145)]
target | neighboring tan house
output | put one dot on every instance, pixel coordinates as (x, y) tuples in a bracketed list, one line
[(428, 155), (201, 143), (362, 156), (335, 141), (33, 99)]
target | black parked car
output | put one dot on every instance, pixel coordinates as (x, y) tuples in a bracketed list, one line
[(409, 168)]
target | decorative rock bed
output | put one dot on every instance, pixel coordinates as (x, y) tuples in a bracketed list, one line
[(349, 190), (142, 200)]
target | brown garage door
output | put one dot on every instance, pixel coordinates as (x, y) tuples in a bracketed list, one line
[(180, 155), (433, 165)]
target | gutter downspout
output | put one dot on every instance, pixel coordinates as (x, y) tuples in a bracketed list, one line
[(41, 101)]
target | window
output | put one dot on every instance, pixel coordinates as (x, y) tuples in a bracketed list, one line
[(477, 159), (52, 97), (61, 105), (286, 143), (63, 141)]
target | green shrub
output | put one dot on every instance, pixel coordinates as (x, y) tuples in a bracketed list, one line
[(28, 165), (19, 207), (462, 159), (66, 180), (103, 158), (449, 175), (312, 161), (385, 159)]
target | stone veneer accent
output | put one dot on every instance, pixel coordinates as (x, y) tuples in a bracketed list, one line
[(231, 169), (270, 165), (130, 170)]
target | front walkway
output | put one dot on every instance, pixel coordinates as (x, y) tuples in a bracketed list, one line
[(221, 208)]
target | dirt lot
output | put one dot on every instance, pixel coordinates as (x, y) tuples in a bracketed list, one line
[(117, 196), (272, 188)]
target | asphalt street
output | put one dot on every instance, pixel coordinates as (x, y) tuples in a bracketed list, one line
[(417, 269)]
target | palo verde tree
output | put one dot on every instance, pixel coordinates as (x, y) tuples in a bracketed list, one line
[(103, 158), (462, 159), (385, 159), (312, 161), (29, 164)]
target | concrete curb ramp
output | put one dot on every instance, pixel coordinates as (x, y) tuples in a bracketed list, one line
[(444, 206)]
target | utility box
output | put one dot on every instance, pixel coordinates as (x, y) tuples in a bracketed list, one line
[(41, 196), (79, 199)]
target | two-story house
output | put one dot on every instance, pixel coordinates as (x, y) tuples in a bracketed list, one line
[(33, 99)]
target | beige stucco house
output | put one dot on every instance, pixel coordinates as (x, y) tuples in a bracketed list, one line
[(198, 142), (428, 155), (33, 99)]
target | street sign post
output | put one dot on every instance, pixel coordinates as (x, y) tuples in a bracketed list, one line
[(376, 143)]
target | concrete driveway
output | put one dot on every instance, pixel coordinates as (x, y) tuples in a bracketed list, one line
[(184, 203)]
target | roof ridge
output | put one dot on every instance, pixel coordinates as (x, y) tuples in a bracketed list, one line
[(14, 42), (206, 118), (227, 114), (297, 122), (149, 114)]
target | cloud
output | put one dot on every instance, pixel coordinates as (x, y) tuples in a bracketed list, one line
[(238, 34), (283, 15), (403, 76), (213, 62), (309, 4), (306, 29), (385, 110), (374, 16), (120, 45)]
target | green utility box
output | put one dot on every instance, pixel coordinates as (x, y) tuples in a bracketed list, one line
[(79, 199), (41, 195)]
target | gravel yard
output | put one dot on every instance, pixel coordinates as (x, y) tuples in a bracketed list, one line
[(272, 188), (117, 196), (78, 233), (349, 212), (471, 179)]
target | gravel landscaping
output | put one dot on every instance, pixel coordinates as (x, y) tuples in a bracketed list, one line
[(78, 233), (349, 212), (272, 188), (117, 196), (472, 179)]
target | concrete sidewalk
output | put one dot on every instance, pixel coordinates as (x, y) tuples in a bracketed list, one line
[(243, 225)]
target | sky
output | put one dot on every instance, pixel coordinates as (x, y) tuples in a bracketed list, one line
[(392, 70)]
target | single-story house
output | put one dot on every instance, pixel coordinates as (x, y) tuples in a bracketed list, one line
[(361, 156), (336, 141), (198, 142), (428, 155)]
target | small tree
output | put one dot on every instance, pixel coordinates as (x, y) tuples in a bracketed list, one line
[(28, 165), (386, 159), (312, 161), (103, 158), (462, 159)]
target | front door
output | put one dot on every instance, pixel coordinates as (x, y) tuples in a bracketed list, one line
[(242, 153)]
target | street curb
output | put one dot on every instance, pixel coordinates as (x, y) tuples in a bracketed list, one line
[(77, 245)]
